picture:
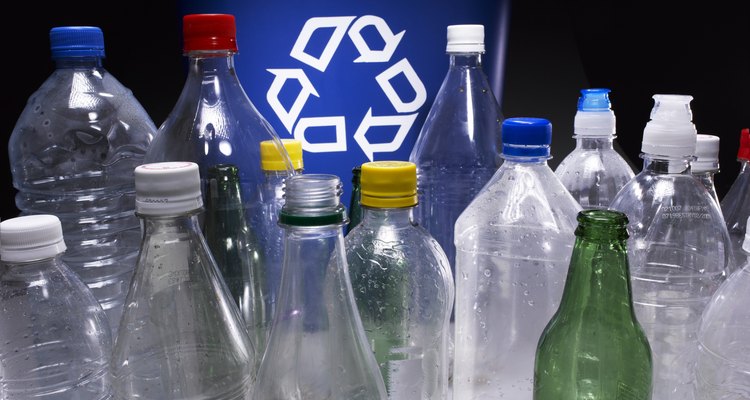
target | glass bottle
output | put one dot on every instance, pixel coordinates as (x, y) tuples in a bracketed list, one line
[(736, 202), (594, 172), (513, 244), (355, 209), (317, 348), (679, 247), (593, 347), (706, 163), (402, 284), (181, 335)]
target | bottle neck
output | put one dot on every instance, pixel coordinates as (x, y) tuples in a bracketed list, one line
[(213, 63), (594, 142), (78, 62), (515, 161), (657, 164), (465, 60), (396, 217), (29, 271), (177, 226)]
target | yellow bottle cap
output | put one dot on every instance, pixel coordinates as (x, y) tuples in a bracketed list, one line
[(272, 160), (388, 184)]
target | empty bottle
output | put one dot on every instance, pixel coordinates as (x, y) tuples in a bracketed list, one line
[(56, 340), (355, 209), (72, 153), (181, 335), (679, 247), (706, 162), (593, 347), (402, 284), (317, 348), (513, 244), (594, 172), (736, 202), (457, 150)]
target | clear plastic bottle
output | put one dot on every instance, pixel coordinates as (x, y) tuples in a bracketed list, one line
[(513, 244), (679, 247), (56, 340), (594, 172), (317, 348), (706, 163), (457, 150), (181, 335), (72, 153), (736, 202), (402, 284), (723, 366)]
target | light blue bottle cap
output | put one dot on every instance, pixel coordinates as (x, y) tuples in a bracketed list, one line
[(526, 137), (596, 99), (76, 41)]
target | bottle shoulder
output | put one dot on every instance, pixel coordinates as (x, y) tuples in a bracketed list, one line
[(606, 162)]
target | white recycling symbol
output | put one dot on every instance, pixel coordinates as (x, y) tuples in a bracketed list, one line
[(405, 110)]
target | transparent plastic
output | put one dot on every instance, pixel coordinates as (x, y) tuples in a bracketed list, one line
[(513, 244), (317, 347), (706, 178), (72, 154), (735, 207), (355, 210)]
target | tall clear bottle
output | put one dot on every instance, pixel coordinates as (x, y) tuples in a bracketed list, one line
[(594, 172), (513, 243), (679, 247), (593, 347), (72, 153), (56, 340), (181, 335), (706, 162), (317, 348), (402, 284), (736, 202), (457, 151)]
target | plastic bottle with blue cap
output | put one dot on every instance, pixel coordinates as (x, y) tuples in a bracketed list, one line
[(679, 247), (594, 171), (513, 248)]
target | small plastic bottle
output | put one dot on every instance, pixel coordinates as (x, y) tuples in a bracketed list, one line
[(594, 172), (706, 163), (181, 335), (56, 341), (513, 244), (72, 153), (736, 202), (402, 284), (679, 248), (317, 348)]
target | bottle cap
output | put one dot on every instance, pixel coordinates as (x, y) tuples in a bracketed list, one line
[(209, 32), (465, 39), (271, 158), (526, 137), (388, 184), (76, 41), (670, 132), (744, 152), (706, 153), (167, 188), (31, 238), (594, 116)]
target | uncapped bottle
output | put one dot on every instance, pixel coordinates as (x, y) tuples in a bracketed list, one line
[(736, 202), (706, 162)]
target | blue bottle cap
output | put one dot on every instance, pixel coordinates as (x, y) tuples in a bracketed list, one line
[(76, 41), (526, 137), (596, 99)]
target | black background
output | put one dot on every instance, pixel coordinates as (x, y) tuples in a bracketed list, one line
[(554, 49)]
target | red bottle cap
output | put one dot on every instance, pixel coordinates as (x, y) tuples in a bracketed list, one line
[(744, 152), (209, 32)]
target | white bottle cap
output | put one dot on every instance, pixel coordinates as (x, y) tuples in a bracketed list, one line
[(167, 188), (465, 39), (706, 153), (670, 132), (31, 238)]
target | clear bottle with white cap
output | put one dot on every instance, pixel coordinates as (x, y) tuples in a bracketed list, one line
[(736, 202), (594, 171), (56, 340), (679, 247), (181, 335), (706, 163)]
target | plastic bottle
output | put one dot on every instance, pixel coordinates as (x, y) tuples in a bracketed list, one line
[(513, 244), (317, 348), (576, 358), (736, 202), (181, 335), (355, 209), (679, 247), (594, 172), (72, 153), (457, 150), (213, 121), (402, 284), (706, 163), (723, 366), (56, 340)]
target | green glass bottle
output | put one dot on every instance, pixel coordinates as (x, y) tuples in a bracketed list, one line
[(593, 347), (355, 210)]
